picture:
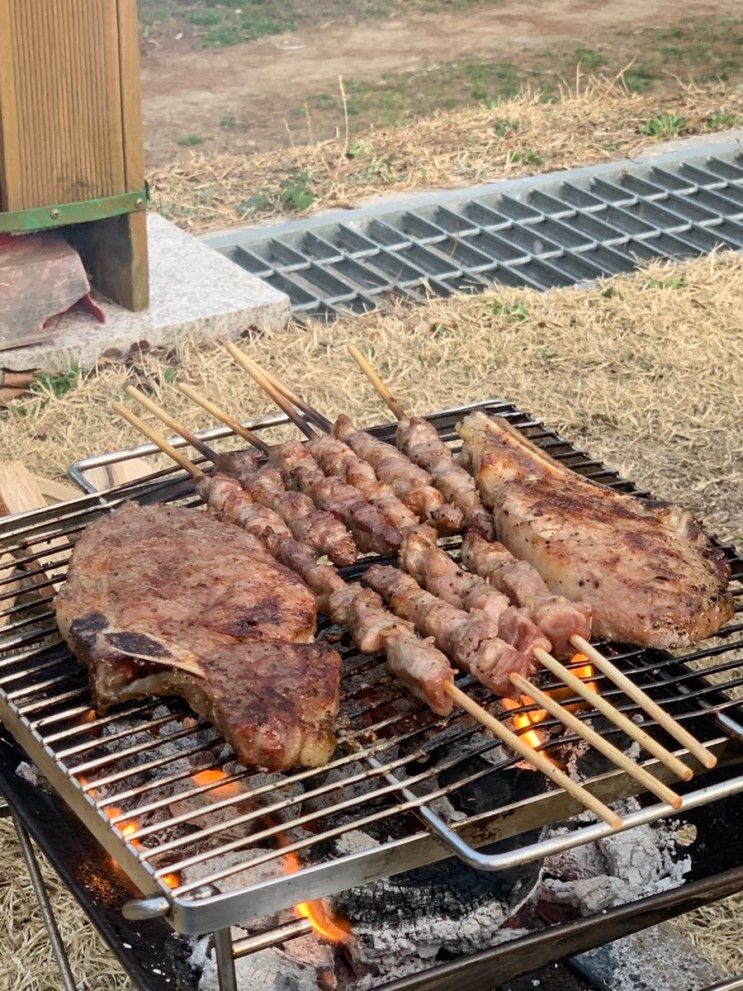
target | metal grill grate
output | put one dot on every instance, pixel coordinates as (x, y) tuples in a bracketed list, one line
[(555, 230), (121, 767)]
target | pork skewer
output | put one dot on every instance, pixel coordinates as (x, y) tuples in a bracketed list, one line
[(350, 595), (409, 482), (320, 529), (369, 527), (557, 617), (578, 638), (419, 440)]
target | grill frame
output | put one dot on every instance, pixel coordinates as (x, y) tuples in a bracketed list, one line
[(216, 910)]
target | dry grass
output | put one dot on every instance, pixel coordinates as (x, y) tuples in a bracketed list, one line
[(26, 959), (645, 372), (597, 121)]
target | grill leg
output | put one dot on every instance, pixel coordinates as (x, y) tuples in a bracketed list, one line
[(225, 960), (47, 912)]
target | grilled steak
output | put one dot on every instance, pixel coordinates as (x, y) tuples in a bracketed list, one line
[(164, 600), (648, 572)]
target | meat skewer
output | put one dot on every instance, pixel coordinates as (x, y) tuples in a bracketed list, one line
[(410, 483), (558, 618), (419, 440), (370, 529), (321, 530), (353, 600), (576, 639)]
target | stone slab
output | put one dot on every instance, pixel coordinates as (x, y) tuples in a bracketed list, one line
[(195, 292)]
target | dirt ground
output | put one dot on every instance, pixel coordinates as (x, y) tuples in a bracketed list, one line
[(259, 95)]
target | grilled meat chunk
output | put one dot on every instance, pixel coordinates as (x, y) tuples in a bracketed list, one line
[(316, 527), (420, 441), (648, 572), (164, 600), (557, 617), (434, 570), (410, 483), (468, 638)]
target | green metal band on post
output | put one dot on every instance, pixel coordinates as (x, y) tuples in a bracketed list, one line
[(43, 218)]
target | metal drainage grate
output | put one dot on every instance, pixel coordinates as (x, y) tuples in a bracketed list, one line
[(556, 230)]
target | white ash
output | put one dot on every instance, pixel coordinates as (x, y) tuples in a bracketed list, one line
[(617, 869), (392, 953), (29, 773), (267, 970), (354, 841), (309, 951)]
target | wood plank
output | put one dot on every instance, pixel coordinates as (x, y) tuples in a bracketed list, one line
[(114, 252), (64, 106), (54, 491), (20, 492)]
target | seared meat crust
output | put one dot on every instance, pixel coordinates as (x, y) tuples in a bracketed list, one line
[(647, 570), (148, 587)]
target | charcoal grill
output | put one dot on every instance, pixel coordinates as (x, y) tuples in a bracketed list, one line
[(116, 769)]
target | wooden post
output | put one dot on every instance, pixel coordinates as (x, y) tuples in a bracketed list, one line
[(70, 127)]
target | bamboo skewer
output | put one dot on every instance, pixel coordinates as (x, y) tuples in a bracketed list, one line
[(633, 691), (315, 416), (597, 741), (663, 718), (168, 420), (262, 379), (614, 715), (219, 414), (534, 757), (158, 440), (366, 367), (481, 715)]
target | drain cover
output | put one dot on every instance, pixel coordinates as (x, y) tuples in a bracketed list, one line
[(553, 230)]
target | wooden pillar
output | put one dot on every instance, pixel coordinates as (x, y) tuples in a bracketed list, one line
[(70, 127)]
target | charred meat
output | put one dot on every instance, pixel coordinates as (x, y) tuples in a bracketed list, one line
[(165, 600)]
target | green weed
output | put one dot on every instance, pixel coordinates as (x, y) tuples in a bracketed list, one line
[(664, 126), (511, 312), (190, 141), (672, 282), (58, 383)]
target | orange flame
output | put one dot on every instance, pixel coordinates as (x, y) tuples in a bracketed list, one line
[(230, 790), (522, 720), (127, 828), (316, 912)]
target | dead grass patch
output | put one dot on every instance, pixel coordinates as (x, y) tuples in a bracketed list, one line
[(597, 121)]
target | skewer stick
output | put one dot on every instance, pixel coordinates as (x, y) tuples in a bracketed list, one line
[(169, 421), (663, 718), (613, 715), (577, 726), (261, 379), (366, 367), (158, 440), (534, 757), (312, 414), (224, 416)]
